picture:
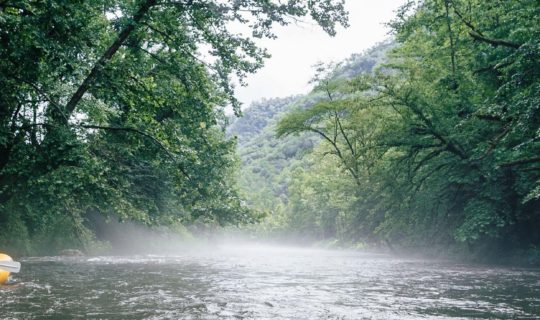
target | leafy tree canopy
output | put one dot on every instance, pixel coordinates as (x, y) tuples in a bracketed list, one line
[(115, 107), (443, 140)]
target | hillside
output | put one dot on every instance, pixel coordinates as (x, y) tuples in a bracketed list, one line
[(267, 162)]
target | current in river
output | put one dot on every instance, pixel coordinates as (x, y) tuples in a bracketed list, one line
[(267, 282)]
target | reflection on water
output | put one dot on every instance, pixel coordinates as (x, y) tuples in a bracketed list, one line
[(246, 282)]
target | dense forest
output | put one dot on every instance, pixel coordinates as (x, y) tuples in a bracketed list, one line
[(436, 147), (115, 109)]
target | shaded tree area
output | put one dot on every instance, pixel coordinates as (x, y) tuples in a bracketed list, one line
[(440, 147), (116, 108)]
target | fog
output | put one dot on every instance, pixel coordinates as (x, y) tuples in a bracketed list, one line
[(204, 272), (133, 238), (153, 274)]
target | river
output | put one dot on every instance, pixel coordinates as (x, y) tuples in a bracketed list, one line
[(266, 282)]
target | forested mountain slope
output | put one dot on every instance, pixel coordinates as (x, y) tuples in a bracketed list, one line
[(268, 162)]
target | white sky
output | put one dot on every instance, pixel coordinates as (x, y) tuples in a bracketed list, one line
[(299, 47)]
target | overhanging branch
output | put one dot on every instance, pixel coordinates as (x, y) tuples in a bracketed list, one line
[(154, 140), (494, 42), (479, 36), (83, 88), (142, 133), (520, 162)]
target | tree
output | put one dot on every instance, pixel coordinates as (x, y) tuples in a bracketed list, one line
[(462, 90), (116, 106), (452, 120)]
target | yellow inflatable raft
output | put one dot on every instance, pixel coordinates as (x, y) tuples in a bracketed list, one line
[(4, 275)]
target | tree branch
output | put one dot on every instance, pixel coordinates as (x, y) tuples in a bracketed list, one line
[(140, 132), (338, 153), (83, 88), (424, 178), (15, 116), (494, 42), (351, 149), (520, 162), (42, 93), (479, 36), (451, 146), (428, 157), (494, 143), (126, 129)]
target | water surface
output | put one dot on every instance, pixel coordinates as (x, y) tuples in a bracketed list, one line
[(261, 282)]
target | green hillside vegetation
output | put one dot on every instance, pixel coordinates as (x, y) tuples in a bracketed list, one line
[(440, 147), (270, 164), (436, 146), (266, 161)]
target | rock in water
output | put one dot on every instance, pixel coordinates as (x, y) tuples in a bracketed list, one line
[(71, 253)]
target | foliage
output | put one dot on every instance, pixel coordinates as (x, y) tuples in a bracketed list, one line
[(271, 166), (116, 107), (443, 140)]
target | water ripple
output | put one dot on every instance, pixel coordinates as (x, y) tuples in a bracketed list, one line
[(267, 283)]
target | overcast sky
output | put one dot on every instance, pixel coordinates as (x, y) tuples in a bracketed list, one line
[(299, 47)]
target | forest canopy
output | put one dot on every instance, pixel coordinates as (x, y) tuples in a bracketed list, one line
[(440, 145), (115, 108)]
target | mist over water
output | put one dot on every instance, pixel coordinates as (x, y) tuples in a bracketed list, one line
[(246, 280)]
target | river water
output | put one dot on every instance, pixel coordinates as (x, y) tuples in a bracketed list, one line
[(263, 282)]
